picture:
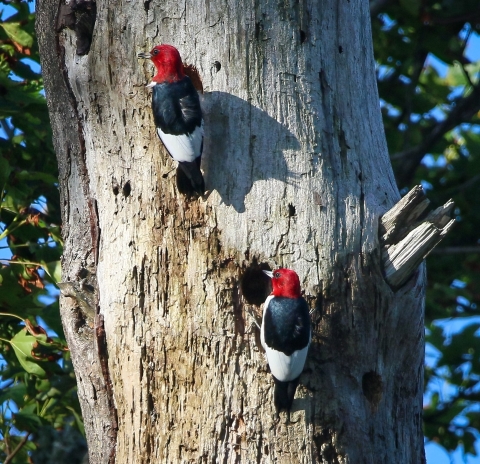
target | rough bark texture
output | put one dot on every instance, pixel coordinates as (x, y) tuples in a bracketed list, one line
[(406, 239), (296, 161)]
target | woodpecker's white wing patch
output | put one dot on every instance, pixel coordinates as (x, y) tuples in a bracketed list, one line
[(184, 147), (286, 368), (283, 367)]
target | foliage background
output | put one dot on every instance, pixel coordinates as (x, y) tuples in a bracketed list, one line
[(39, 411), (428, 79)]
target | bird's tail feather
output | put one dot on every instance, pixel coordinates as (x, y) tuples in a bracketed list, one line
[(284, 394), (280, 395), (189, 178)]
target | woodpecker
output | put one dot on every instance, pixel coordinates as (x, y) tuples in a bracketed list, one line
[(285, 335), (178, 117)]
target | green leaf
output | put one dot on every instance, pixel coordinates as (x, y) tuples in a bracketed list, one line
[(16, 393), (27, 418), (456, 76), (54, 270), (15, 32), (23, 344), (78, 420)]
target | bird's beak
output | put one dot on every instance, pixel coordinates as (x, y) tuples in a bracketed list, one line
[(269, 274), (146, 55)]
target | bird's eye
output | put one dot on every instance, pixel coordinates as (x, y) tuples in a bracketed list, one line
[(277, 275), (156, 51)]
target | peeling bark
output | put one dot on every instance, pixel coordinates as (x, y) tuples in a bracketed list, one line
[(297, 166), (406, 240)]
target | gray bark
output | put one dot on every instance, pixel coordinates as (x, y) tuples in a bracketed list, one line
[(297, 166), (406, 239)]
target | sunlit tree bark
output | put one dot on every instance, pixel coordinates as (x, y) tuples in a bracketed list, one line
[(168, 359)]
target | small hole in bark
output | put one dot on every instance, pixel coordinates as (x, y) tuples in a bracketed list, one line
[(82, 273), (291, 210), (303, 36), (372, 387), (146, 5), (255, 285), (340, 49), (217, 65), (127, 188)]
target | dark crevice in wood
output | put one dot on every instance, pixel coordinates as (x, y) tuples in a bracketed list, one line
[(291, 210), (255, 284), (372, 387), (238, 310), (79, 16), (102, 349)]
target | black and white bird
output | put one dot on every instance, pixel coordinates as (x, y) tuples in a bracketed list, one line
[(178, 117), (285, 335)]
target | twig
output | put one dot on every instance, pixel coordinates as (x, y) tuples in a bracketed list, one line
[(20, 445), (463, 111)]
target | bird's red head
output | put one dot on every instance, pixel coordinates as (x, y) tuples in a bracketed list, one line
[(166, 59), (285, 282)]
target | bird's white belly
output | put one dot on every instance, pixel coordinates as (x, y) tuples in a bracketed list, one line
[(184, 147), (283, 367)]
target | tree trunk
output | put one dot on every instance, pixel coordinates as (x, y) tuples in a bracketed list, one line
[(168, 361)]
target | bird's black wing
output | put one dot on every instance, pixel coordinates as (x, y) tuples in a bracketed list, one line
[(176, 107), (287, 324)]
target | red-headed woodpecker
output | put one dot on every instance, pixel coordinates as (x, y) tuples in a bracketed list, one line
[(178, 117), (285, 335)]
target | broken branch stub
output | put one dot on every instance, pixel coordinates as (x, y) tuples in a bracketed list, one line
[(406, 240)]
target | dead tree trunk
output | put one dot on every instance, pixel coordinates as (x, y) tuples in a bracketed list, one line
[(169, 365)]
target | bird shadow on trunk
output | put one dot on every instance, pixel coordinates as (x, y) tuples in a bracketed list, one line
[(242, 144)]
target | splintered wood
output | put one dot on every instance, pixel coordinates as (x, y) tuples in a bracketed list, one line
[(407, 236)]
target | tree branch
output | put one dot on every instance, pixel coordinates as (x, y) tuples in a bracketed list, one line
[(406, 239), (463, 111), (20, 445)]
